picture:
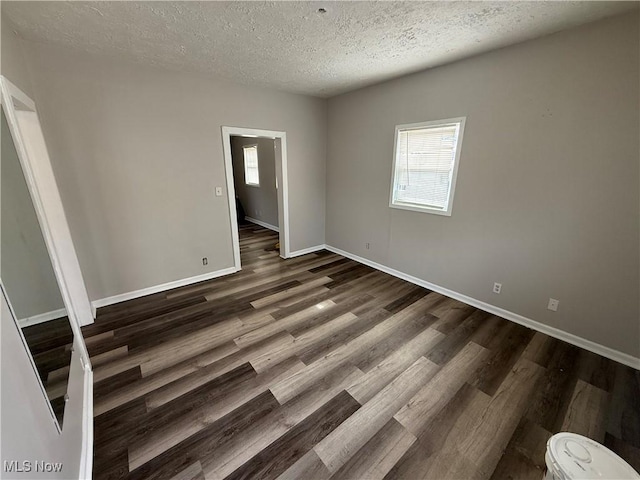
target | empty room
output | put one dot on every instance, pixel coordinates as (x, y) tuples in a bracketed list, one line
[(313, 240)]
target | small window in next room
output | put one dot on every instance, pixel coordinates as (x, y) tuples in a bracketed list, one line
[(251, 174), (425, 165)]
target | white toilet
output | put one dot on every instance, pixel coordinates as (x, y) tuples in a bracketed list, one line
[(571, 456)]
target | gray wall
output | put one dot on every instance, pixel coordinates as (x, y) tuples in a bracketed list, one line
[(137, 153), (14, 66), (26, 270), (260, 202), (547, 194), (28, 431)]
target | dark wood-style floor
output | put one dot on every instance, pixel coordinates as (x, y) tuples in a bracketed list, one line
[(319, 367), (50, 344)]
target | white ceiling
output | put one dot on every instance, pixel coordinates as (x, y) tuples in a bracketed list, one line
[(290, 45)]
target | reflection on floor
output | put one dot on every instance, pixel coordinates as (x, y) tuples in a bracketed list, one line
[(319, 367), (50, 345)]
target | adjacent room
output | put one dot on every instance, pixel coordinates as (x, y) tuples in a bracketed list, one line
[(313, 240)]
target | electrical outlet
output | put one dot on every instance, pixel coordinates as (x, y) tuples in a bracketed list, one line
[(553, 304), (367, 245), (497, 287), (205, 261)]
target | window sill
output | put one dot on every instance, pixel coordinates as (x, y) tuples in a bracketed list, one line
[(444, 213)]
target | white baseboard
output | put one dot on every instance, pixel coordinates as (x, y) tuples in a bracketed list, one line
[(42, 317), (589, 345), (123, 297), (86, 455), (306, 251), (262, 224)]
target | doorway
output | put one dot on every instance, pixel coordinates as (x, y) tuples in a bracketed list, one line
[(256, 185)]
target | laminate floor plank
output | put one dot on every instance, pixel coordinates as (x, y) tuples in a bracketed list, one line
[(290, 292), (394, 364), (524, 456), (282, 324), (624, 412), (142, 313), (208, 441), (346, 306), (337, 262), (497, 423), (174, 351), (151, 425), (210, 371), (552, 396), (289, 388), (302, 341), (457, 338), (319, 367), (502, 357), (108, 385), (379, 455), (362, 323), (109, 355), (405, 300), (338, 447), (586, 412), (397, 339), (308, 467), (596, 370), (273, 427), (287, 450), (180, 372), (192, 472), (630, 453), (334, 268), (539, 349), (424, 405), (452, 318), (416, 460), (221, 400)]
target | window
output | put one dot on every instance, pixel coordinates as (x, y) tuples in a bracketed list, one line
[(425, 165), (251, 173)]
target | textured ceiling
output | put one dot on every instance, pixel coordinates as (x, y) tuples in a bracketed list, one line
[(290, 45)]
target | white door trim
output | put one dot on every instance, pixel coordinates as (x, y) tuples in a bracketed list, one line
[(26, 132), (283, 185)]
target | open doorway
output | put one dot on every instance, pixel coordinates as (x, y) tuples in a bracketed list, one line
[(255, 164)]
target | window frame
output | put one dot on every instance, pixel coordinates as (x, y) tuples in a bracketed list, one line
[(454, 173), (244, 164)]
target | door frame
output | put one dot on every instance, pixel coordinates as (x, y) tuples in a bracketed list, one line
[(280, 139), (26, 132)]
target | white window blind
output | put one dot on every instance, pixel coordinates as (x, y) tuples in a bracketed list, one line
[(251, 173), (425, 165)]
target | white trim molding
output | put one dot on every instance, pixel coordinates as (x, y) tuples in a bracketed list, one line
[(31, 148), (306, 251), (262, 224), (123, 297), (42, 317), (589, 345), (86, 455), (281, 177)]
